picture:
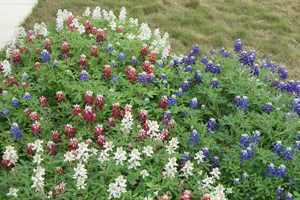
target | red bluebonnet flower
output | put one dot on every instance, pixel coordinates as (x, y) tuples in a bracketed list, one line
[(56, 136), (76, 110), (73, 144), (94, 51), (99, 102), (51, 148), (69, 129), (59, 96), (43, 101), (106, 72), (82, 62), (88, 115), (88, 100), (36, 129), (99, 130), (163, 102), (34, 117), (116, 112), (65, 49)]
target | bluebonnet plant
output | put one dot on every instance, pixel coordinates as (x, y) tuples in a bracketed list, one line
[(165, 83), (214, 82), (298, 135), (289, 196), (255, 71), (244, 140), (46, 56), (236, 181), (195, 51), (172, 100), (166, 117), (84, 76), (146, 100), (246, 154), (55, 63), (271, 171), (279, 191), (238, 46), (163, 76), (186, 157), (268, 108), (15, 129), (194, 103), (25, 76), (268, 78), (5, 112), (280, 172), (277, 148), (297, 145), (115, 80), (5, 93), (143, 77), (151, 78), (194, 138), (247, 58), (198, 78), (188, 69), (109, 48), (160, 63), (209, 66), (112, 63), (211, 126), (121, 56), (241, 103), (27, 96), (179, 92), (204, 60), (287, 154), (213, 52), (206, 152), (215, 162), (296, 105), (15, 102), (292, 182), (185, 86), (133, 60), (283, 72)]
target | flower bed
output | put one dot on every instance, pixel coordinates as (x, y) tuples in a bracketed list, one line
[(97, 108)]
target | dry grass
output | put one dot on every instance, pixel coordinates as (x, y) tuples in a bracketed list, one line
[(270, 27)]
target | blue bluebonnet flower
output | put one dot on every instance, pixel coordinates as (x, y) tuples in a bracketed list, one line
[(55, 63), (185, 86), (217, 69), (115, 80), (226, 54), (246, 154), (15, 102), (238, 46), (236, 181), (133, 60), (188, 69), (165, 83), (5, 112), (297, 145), (15, 129), (146, 100), (289, 196), (27, 96), (163, 76), (247, 58), (279, 191), (265, 56), (211, 126), (5, 93), (280, 172), (179, 92), (214, 82), (244, 140), (245, 176), (195, 51), (25, 76), (271, 171), (209, 66), (160, 63), (112, 63), (213, 52), (206, 152), (186, 157), (255, 71), (194, 138), (271, 66), (151, 78), (292, 182), (296, 105), (268, 78), (174, 63), (241, 103), (215, 162), (268, 108), (278, 148), (198, 78), (172, 100), (283, 72), (46, 56), (166, 117), (143, 77), (287, 154), (109, 48), (84, 76), (204, 60), (289, 116), (194, 103), (255, 139), (121, 56)]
